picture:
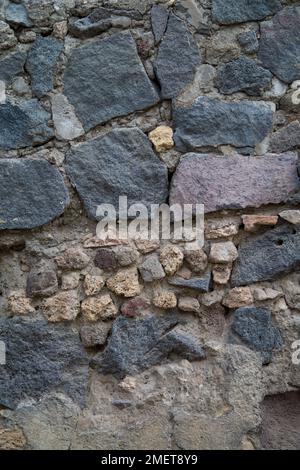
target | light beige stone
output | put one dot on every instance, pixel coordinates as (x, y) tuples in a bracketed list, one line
[(60, 29), (67, 125), (70, 281), (221, 273), (171, 257), (164, 299), (212, 298), (93, 284), (99, 308), (196, 260), (255, 222), (162, 138), (188, 304), (12, 439), (292, 216), (146, 246), (265, 293), (222, 228), (125, 282), (238, 297), (64, 306), (223, 252), (19, 304)]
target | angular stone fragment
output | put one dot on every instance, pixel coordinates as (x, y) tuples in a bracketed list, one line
[(164, 299), (66, 123), (212, 122), (171, 257), (7, 37), (189, 304), (125, 282), (41, 283), (216, 181), (98, 308), (291, 216), (243, 74), (41, 358), (255, 328), (24, 125), (127, 167), (126, 255), (137, 344), (232, 11), (95, 335), (280, 44), (151, 269), (11, 66), (44, 195), (223, 252), (72, 259), (135, 307), (106, 79), (196, 259), (159, 21), (200, 284), (106, 259), (17, 15), (267, 256), (286, 138), (248, 41), (162, 138), (177, 60), (41, 63), (254, 222), (64, 306), (221, 273), (19, 304), (93, 283), (238, 297)]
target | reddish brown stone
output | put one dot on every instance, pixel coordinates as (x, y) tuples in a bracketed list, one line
[(235, 181), (254, 222), (135, 307), (106, 259)]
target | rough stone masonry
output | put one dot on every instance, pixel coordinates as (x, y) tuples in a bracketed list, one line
[(131, 344)]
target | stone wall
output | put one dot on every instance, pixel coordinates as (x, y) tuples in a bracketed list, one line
[(148, 345)]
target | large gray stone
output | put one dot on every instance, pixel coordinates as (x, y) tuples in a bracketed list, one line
[(286, 138), (200, 284), (32, 193), (17, 15), (235, 181), (24, 125), (254, 327), (280, 44), (122, 163), (213, 122), (12, 65), (41, 63), (245, 75), (177, 60), (267, 256), (240, 11), (40, 359), (137, 344), (106, 79), (159, 21)]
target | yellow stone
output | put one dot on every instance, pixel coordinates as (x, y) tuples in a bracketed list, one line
[(162, 138)]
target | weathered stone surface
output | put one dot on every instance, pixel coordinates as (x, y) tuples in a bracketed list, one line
[(12, 66), (280, 44), (126, 255), (162, 138), (72, 259), (171, 257), (223, 252), (291, 216), (70, 280), (248, 41), (41, 63), (280, 424), (177, 60), (287, 138), (11, 439), (221, 273), (44, 195), (188, 304), (41, 283), (243, 74), (64, 306), (106, 259), (41, 358), (151, 269), (255, 328), (196, 259), (216, 181), (95, 335), (238, 297), (127, 167), (24, 125), (7, 37), (222, 228), (19, 304), (135, 307), (137, 344), (67, 125), (93, 283), (200, 284), (212, 122), (16, 14), (267, 256), (159, 21), (224, 46), (99, 308), (114, 83), (125, 282), (252, 223), (241, 11), (195, 14), (164, 299)]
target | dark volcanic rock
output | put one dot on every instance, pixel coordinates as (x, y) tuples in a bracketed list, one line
[(159, 21), (32, 193), (254, 327), (280, 44), (212, 122), (137, 344), (41, 63), (41, 283), (12, 66), (39, 359), (201, 284), (245, 75), (286, 138), (122, 163), (106, 79), (24, 125), (267, 256), (248, 41), (216, 181), (177, 60), (233, 11), (106, 259)]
